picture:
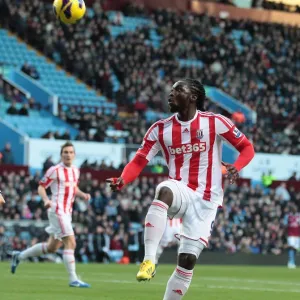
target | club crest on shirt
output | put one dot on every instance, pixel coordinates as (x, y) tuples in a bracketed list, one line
[(199, 134), (237, 133), (44, 180)]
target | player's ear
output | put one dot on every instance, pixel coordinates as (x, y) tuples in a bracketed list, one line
[(193, 98)]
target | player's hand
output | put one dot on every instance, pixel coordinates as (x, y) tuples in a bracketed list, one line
[(87, 197), (115, 183), (2, 201), (47, 203), (232, 172)]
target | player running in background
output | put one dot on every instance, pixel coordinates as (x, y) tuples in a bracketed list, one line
[(63, 180), (292, 221), (191, 141), (170, 238)]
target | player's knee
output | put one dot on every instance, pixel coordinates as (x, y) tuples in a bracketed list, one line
[(187, 261), (51, 248), (71, 244), (165, 195)]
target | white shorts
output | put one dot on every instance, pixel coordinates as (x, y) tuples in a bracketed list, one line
[(294, 241), (60, 225), (197, 215)]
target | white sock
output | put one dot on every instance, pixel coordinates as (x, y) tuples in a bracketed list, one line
[(155, 225), (178, 284), (69, 261), (36, 250), (159, 252)]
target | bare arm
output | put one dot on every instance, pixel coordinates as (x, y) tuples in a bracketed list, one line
[(82, 195), (42, 192)]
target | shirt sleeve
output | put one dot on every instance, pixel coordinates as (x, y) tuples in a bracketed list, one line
[(48, 178), (228, 131), (150, 145)]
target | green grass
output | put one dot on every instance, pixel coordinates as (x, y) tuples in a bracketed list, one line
[(117, 282)]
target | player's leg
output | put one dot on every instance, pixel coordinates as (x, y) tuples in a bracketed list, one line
[(181, 278), (167, 196), (69, 261), (293, 245), (161, 246), (159, 252), (37, 250), (42, 248), (196, 228)]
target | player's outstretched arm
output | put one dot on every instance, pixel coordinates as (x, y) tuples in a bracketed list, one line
[(82, 195), (131, 171), (43, 194), (146, 152), (2, 201)]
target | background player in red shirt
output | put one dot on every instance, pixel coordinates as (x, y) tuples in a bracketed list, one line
[(63, 180), (191, 142), (292, 221)]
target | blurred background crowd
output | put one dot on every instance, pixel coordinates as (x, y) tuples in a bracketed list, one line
[(258, 64), (110, 226), (253, 62)]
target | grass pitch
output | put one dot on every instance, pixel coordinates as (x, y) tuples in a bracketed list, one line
[(46, 281)]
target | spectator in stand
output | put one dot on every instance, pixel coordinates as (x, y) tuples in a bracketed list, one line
[(12, 110), (48, 164), (267, 179), (101, 243), (30, 71), (26, 69), (7, 155), (24, 110), (282, 192), (66, 135), (293, 177)]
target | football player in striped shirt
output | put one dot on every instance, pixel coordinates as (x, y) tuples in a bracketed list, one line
[(63, 182), (191, 142)]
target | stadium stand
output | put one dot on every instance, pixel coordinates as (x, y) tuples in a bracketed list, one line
[(251, 220), (256, 70), (138, 77), (280, 6)]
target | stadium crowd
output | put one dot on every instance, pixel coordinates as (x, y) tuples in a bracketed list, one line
[(266, 4), (110, 226), (253, 62)]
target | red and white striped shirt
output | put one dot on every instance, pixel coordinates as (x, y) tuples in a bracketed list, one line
[(193, 150), (63, 182), (174, 223)]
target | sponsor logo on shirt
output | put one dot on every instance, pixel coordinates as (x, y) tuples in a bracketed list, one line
[(142, 145), (188, 148), (237, 133)]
